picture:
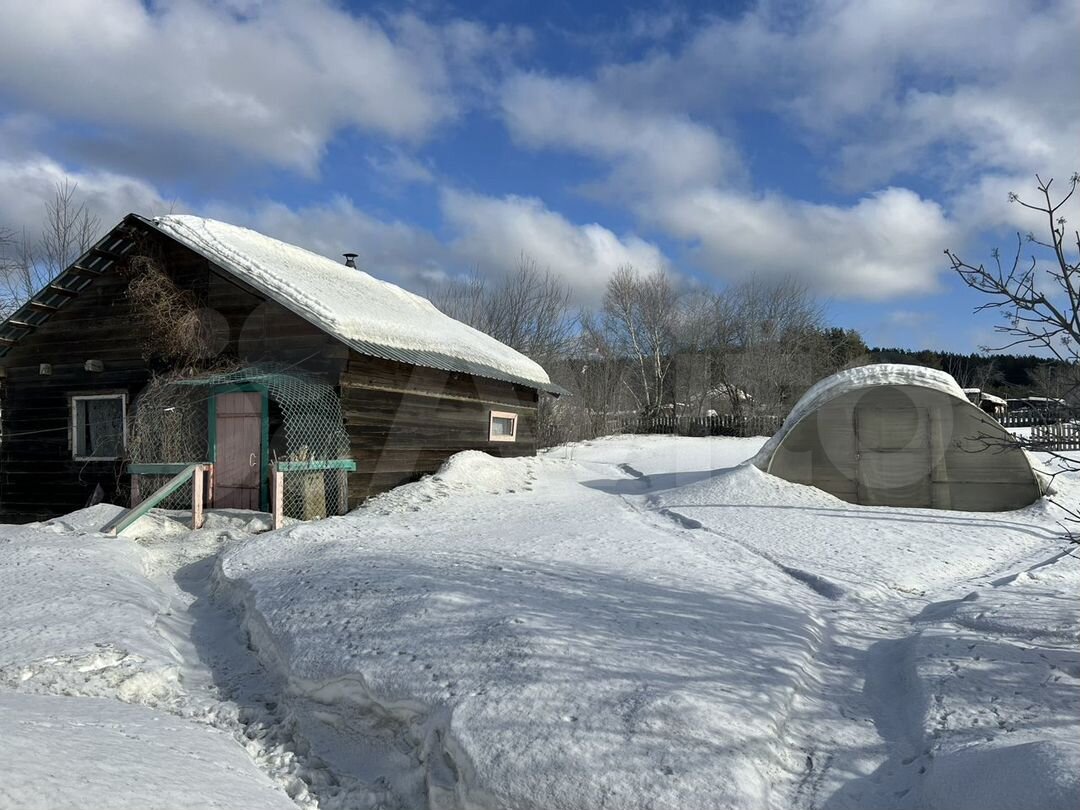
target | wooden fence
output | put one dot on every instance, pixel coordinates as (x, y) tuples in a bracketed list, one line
[(1062, 436), (721, 425), (1032, 418)]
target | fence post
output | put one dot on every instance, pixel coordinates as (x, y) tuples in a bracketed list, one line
[(342, 491), (135, 496), (197, 517), (277, 496)]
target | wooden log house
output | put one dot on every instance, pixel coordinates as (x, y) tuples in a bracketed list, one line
[(412, 386)]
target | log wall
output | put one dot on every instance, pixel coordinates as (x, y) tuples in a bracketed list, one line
[(404, 421)]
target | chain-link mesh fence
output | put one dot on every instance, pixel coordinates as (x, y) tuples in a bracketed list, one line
[(304, 424)]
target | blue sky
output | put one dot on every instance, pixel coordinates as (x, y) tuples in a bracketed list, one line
[(847, 143)]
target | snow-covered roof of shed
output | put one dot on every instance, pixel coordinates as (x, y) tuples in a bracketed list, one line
[(374, 317), (854, 379)]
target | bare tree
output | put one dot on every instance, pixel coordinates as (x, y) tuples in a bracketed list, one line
[(28, 264), (528, 310), (595, 375), (638, 322), (768, 340), (69, 229), (19, 276), (970, 373), (1036, 294), (7, 269)]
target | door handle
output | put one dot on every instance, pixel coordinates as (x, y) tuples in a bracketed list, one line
[(252, 461)]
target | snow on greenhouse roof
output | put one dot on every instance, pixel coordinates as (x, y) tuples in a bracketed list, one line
[(854, 379), (372, 316)]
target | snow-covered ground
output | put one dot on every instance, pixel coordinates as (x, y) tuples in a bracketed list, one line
[(630, 622)]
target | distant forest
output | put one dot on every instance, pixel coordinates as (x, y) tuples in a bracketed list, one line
[(1004, 373)]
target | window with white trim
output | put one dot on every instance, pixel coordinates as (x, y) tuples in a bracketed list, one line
[(98, 427), (502, 427)]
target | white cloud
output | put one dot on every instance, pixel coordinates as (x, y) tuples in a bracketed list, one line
[(492, 232), (400, 168), (888, 244), (487, 233), (648, 149), (274, 80), (889, 87), (27, 185), (969, 98)]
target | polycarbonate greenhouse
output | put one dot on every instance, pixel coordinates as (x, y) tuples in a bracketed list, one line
[(897, 435)]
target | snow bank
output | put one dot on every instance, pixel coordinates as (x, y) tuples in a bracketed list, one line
[(1041, 774), (77, 617), (868, 550), (542, 643), (64, 753), (98, 679), (347, 302), (683, 458), (621, 623)]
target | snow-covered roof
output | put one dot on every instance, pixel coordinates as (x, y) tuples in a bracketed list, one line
[(854, 379), (981, 396), (374, 317)]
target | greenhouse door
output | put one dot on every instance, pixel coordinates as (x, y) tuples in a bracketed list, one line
[(893, 455), (238, 461)]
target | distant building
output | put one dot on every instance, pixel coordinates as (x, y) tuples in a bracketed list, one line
[(996, 406)]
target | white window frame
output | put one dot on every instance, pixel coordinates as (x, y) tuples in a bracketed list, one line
[(75, 399), (492, 436)]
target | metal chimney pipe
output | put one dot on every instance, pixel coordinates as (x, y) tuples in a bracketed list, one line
[(350, 259)]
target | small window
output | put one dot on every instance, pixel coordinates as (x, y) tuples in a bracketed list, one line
[(99, 427), (503, 427)]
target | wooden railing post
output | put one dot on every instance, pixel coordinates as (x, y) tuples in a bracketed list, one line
[(197, 516), (277, 496)]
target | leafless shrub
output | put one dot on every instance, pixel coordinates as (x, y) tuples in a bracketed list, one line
[(174, 327)]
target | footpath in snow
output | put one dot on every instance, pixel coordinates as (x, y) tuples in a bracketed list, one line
[(631, 622)]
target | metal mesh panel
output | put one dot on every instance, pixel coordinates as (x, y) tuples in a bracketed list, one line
[(313, 494), (180, 499), (170, 425)]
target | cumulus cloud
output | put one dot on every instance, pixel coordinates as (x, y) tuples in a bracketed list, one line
[(887, 87), (26, 185), (886, 245), (648, 149), (488, 233), (883, 90), (491, 232), (274, 80)]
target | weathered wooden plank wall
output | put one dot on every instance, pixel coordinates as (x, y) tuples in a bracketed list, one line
[(404, 421), (38, 476)]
